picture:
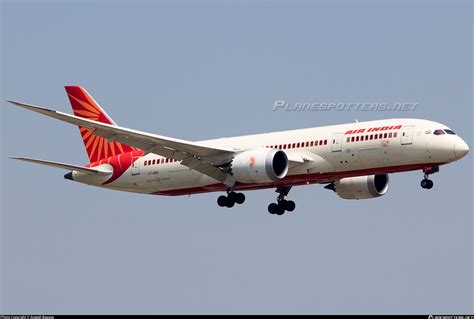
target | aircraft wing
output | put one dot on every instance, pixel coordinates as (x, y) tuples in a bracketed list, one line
[(65, 166), (194, 155)]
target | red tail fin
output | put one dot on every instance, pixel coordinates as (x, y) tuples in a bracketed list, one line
[(83, 105)]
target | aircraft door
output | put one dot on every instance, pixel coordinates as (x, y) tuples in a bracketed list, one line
[(336, 144), (136, 166), (407, 135)]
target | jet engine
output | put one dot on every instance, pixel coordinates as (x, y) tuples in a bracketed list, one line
[(259, 166), (361, 187)]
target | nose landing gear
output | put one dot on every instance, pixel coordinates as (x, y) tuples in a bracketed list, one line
[(426, 183), (282, 204)]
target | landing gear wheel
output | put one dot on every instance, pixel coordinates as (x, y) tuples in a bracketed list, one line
[(240, 198), (232, 196), (231, 199), (280, 210), (230, 202), (426, 184), (272, 208), (430, 184), (289, 205), (222, 201), (282, 204)]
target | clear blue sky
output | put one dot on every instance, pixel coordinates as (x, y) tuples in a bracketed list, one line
[(205, 69)]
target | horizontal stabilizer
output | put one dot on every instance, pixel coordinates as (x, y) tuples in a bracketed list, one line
[(66, 166)]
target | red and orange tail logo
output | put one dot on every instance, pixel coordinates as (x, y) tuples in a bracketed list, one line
[(83, 105)]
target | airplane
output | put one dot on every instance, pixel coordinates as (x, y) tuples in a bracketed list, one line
[(353, 160)]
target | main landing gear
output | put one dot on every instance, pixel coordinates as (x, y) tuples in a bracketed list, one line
[(427, 183), (282, 204), (231, 199)]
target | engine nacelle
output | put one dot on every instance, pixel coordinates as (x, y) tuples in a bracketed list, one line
[(260, 166), (362, 187)]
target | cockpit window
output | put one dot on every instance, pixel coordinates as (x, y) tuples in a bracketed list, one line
[(450, 132), (438, 132)]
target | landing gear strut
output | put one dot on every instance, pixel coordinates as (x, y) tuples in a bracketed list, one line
[(427, 183), (231, 199), (282, 204)]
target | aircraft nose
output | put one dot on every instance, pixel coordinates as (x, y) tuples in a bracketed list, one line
[(460, 149)]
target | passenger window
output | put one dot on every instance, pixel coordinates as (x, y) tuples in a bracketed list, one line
[(375, 136), (389, 135), (312, 143), (325, 142), (395, 134), (348, 139), (371, 136), (385, 135), (380, 135), (357, 139), (353, 139)]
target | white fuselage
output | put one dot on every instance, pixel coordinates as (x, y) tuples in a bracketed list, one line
[(407, 144)]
